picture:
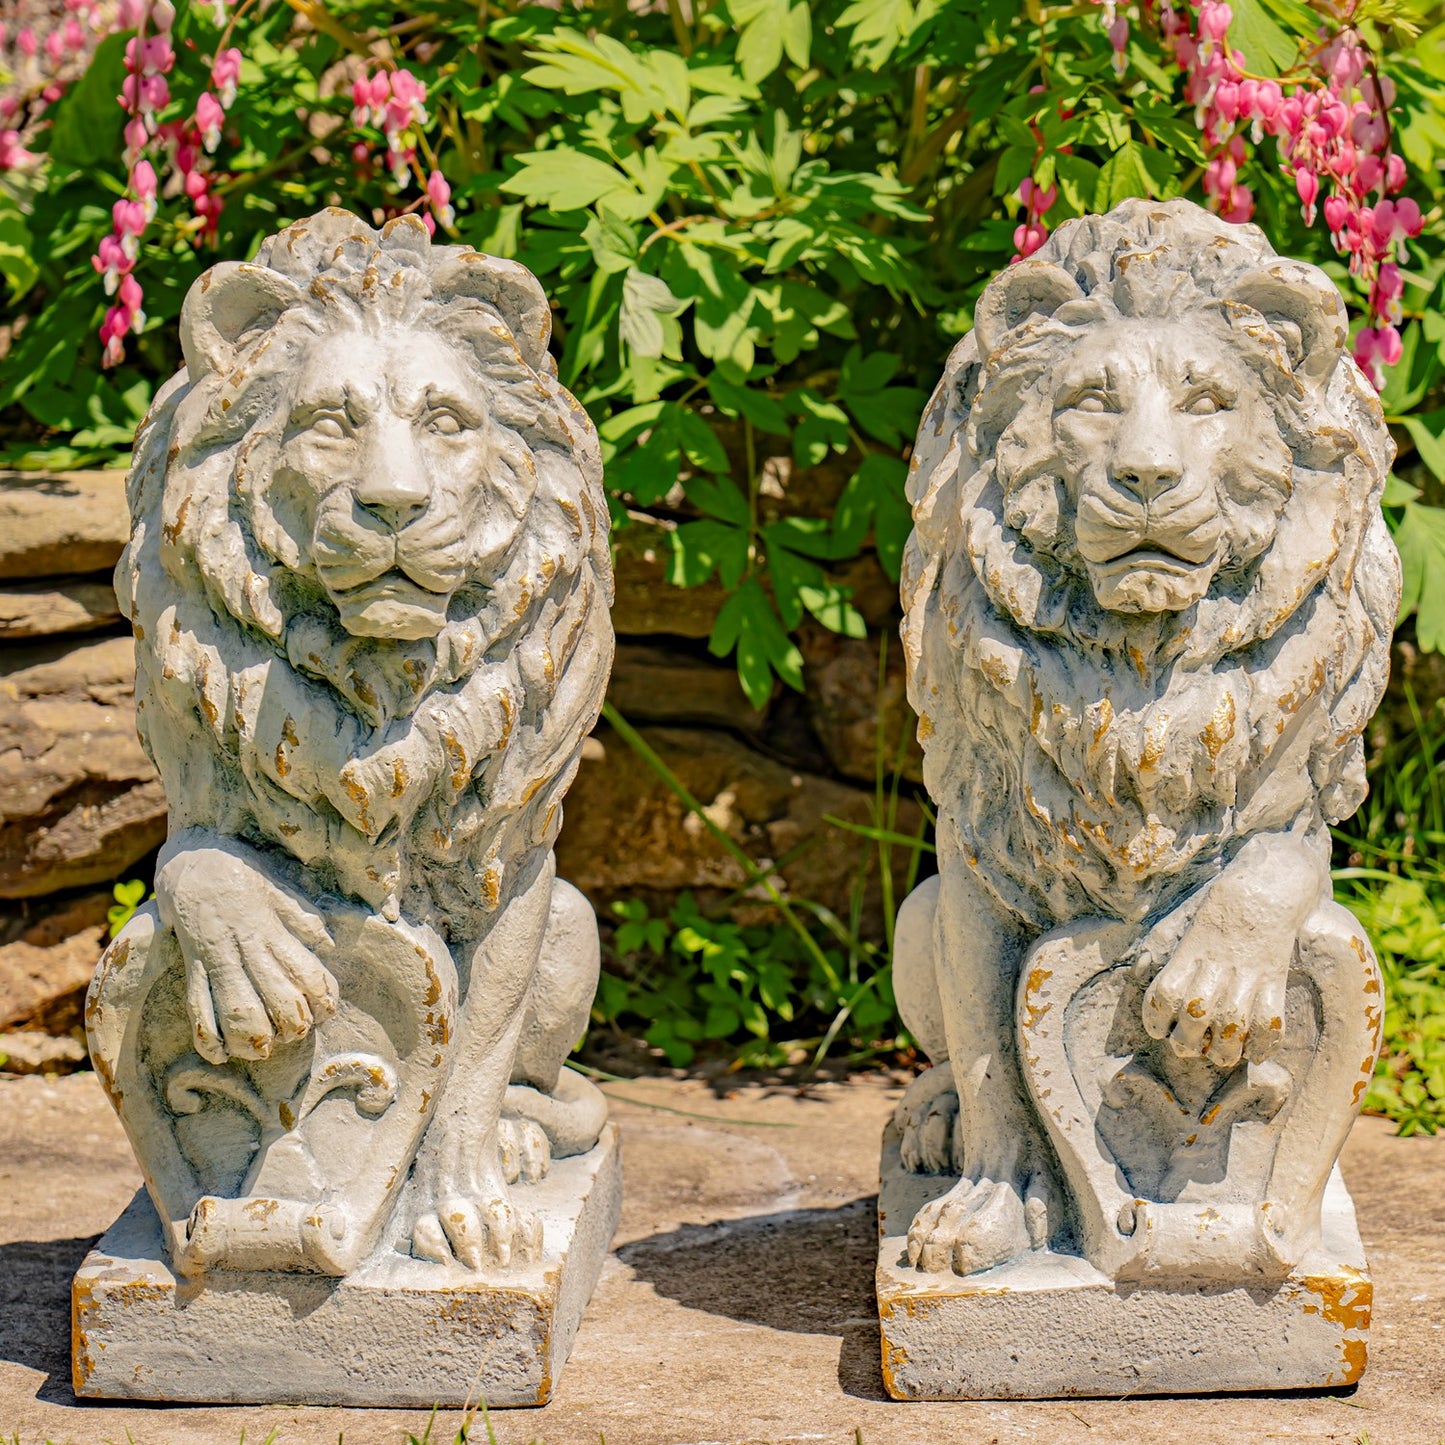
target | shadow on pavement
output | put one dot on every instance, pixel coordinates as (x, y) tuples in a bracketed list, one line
[(35, 1309), (803, 1271)]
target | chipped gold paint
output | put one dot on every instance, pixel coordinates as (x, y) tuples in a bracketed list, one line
[(461, 768), (1155, 741), (172, 531), (288, 735), (1219, 730), (1038, 977), (358, 795)]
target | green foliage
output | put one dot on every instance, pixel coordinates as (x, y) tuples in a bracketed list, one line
[(1406, 923), (1394, 882), (762, 228), (694, 979)]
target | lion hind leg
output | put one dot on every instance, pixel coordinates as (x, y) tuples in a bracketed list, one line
[(548, 1106)]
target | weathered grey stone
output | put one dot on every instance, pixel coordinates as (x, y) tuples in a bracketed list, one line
[(368, 576), (1050, 1324), (860, 718), (39, 609), (79, 799), (665, 685), (1148, 601), (399, 1331), (56, 523), (628, 832), (46, 961)]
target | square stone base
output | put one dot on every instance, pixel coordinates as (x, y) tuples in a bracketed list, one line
[(1052, 1325), (400, 1332)]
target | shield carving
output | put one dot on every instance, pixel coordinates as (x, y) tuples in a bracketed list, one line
[(294, 1162), (1177, 1168)]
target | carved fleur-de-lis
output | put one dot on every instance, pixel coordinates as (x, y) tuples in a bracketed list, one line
[(374, 1079)]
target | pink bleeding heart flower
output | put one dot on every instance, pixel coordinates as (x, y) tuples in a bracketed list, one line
[(226, 75), (210, 115)]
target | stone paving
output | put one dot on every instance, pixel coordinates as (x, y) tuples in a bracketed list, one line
[(737, 1306)]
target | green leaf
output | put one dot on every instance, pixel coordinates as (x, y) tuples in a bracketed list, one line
[(1267, 49), (17, 262), (875, 497), (798, 34), (566, 179), (751, 402), (748, 626), (1420, 538), (760, 48), (613, 240), (719, 497), (88, 120), (1428, 434), (1398, 492), (646, 322), (700, 548)]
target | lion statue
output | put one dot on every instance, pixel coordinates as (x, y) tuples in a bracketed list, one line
[(370, 587), (1148, 599)]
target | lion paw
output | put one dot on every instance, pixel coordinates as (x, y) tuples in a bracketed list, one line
[(526, 1153), (980, 1224), (478, 1232)]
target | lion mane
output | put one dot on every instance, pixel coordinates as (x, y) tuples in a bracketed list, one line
[(412, 776), (1145, 749)]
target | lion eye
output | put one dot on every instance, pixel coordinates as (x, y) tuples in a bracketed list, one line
[(445, 423), (1092, 401), (1207, 403), (327, 424)]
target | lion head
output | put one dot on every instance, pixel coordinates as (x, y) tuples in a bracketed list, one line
[(1147, 527), (370, 558)]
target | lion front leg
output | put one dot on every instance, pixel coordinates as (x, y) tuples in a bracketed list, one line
[(252, 946), (465, 1211), (1007, 1201), (1221, 994)]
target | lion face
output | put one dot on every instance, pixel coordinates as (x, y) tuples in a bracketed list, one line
[(387, 483), (1157, 463)]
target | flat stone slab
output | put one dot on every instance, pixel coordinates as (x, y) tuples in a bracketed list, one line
[(400, 1332), (1051, 1325)]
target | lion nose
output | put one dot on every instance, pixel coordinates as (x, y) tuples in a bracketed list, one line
[(396, 495), (1146, 461)]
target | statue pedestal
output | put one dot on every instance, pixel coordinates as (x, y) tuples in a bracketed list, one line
[(1051, 1324), (398, 1332)]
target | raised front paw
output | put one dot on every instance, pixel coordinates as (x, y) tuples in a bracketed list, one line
[(978, 1225), (1213, 1006), (485, 1230), (253, 977)]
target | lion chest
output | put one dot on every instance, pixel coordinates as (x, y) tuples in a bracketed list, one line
[(1083, 785)]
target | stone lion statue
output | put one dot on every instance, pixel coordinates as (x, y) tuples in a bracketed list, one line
[(1148, 602), (370, 583)]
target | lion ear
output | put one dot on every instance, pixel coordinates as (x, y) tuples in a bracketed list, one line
[(1027, 289), (511, 289), (224, 306), (1305, 310)]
